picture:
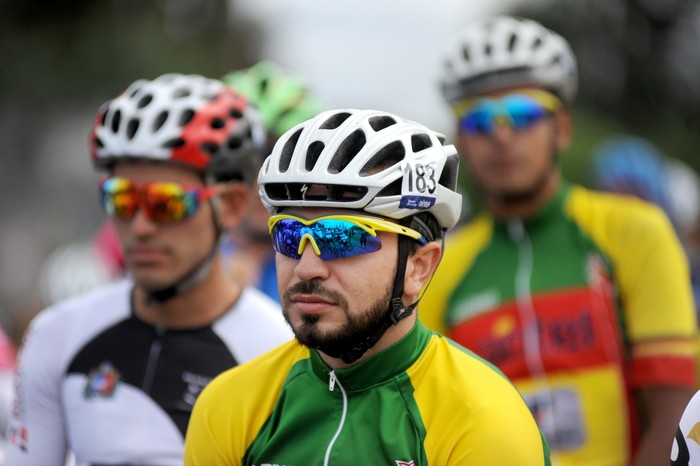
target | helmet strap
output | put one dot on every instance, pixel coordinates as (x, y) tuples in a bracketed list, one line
[(185, 283), (396, 311)]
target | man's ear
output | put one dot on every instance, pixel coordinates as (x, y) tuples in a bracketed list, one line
[(420, 267), (233, 204), (565, 127)]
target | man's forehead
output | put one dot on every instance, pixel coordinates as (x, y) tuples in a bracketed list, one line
[(315, 212), (496, 93)]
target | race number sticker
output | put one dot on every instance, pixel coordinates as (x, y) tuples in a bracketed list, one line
[(419, 185)]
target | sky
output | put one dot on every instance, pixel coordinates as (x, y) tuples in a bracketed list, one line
[(367, 53)]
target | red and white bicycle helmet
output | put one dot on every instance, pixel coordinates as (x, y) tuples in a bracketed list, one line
[(184, 119), (500, 52), (366, 160)]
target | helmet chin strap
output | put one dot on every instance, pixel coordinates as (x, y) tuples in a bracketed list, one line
[(396, 311), (194, 276)]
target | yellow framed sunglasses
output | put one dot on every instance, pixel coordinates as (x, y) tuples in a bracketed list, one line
[(332, 236)]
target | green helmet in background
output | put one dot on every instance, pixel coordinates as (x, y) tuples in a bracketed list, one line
[(283, 100)]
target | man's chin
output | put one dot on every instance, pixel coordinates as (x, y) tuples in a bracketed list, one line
[(150, 284)]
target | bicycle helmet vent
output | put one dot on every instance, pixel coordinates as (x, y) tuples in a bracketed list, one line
[(363, 159), (185, 119), (500, 52)]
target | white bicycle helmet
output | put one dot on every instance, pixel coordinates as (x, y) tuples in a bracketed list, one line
[(367, 160), (503, 51), (184, 119)]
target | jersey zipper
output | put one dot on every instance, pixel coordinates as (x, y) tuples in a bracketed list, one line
[(152, 363), (332, 382), (526, 310), (523, 292)]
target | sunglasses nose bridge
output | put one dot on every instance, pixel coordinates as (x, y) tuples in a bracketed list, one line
[(140, 206), (307, 238), (141, 222), (141, 211)]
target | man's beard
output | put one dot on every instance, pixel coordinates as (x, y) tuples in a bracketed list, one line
[(355, 329)]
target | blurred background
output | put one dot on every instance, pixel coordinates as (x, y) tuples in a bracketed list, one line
[(639, 63)]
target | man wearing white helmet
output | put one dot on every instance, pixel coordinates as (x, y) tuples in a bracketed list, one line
[(111, 376), (360, 200), (581, 298)]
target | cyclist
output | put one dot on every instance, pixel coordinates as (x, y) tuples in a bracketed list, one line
[(112, 375), (581, 298), (283, 100), (366, 382)]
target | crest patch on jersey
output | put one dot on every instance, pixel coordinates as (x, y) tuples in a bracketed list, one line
[(102, 381)]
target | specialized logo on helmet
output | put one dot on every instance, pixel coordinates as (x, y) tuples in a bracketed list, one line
[(102, 381)]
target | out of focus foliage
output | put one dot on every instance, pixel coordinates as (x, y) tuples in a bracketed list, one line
[(639, 63), (53, 51)]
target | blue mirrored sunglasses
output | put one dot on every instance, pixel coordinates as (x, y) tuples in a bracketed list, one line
[(332, 236), (519, 111)]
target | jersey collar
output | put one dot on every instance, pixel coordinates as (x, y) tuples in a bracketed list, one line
[(380, 367)]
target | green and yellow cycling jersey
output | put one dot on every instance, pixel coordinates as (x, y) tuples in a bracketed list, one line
[(422, 401), (579, 306)]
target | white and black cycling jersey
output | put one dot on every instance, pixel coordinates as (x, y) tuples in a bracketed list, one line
[(96, 380)]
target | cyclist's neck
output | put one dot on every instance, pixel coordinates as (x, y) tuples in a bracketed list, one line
[(391, 336), (199, 306), (524, 205)]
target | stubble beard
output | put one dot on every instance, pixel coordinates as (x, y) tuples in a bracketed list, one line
[(339, 341)]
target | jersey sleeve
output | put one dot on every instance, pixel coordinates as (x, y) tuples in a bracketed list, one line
[(231, 410), (36, 430), (653, 279), (478, 417), (211, 437)]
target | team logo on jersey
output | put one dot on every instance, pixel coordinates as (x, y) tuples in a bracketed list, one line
[(194, 384), (597, 270), (102, 381), (404, 463), (18, 435)]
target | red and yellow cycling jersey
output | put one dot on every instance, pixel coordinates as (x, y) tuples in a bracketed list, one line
[(580, 305)]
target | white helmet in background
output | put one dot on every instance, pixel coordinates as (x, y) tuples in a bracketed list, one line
[(500, 52), (71, 269)]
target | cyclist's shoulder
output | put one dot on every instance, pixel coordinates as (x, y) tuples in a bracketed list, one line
[(469, 386), (257, 302), (612, 205), (97, 304), (612, 217), (60, 331), (475, 374), (469, 235), (255, 318), (271, 369)]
